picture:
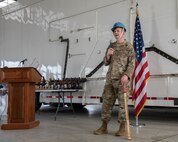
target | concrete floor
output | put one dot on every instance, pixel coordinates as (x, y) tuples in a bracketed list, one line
[(161, 125)]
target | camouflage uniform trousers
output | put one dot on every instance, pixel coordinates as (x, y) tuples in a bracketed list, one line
[(113, 90)]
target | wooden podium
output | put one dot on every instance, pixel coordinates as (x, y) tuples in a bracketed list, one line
[(21, 97)]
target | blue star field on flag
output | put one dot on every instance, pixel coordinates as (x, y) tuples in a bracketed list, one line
[(138, 40)]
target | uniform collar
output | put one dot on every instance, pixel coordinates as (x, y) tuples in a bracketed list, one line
[(120, 44)]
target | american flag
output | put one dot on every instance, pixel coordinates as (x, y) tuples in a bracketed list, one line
[(141, 72)]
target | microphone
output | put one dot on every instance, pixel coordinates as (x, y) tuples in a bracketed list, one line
[(23, 61)]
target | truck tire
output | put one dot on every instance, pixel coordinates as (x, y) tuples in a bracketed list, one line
[(37, 101)]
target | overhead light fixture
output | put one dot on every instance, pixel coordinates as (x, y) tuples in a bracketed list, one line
[(4, 3)]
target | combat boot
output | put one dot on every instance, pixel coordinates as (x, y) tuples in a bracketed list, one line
[(122, 130), (102, 129)]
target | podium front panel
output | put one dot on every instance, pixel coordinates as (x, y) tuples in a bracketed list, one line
[(21, 103), (16, 102)]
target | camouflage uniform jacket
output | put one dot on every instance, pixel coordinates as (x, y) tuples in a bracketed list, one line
[(122, 61)]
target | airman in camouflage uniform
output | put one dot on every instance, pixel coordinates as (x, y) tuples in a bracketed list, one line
[(120, 57)]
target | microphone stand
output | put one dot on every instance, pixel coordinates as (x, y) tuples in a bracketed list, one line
[(22, 62)]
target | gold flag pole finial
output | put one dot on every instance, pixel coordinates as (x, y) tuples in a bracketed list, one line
[(137, 13)]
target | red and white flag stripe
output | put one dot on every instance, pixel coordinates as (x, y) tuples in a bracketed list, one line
[(140, 77)]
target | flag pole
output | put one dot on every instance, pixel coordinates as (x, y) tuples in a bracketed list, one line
[(137, 123)]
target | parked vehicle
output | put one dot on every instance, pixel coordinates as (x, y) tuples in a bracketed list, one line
[(65, 40)]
